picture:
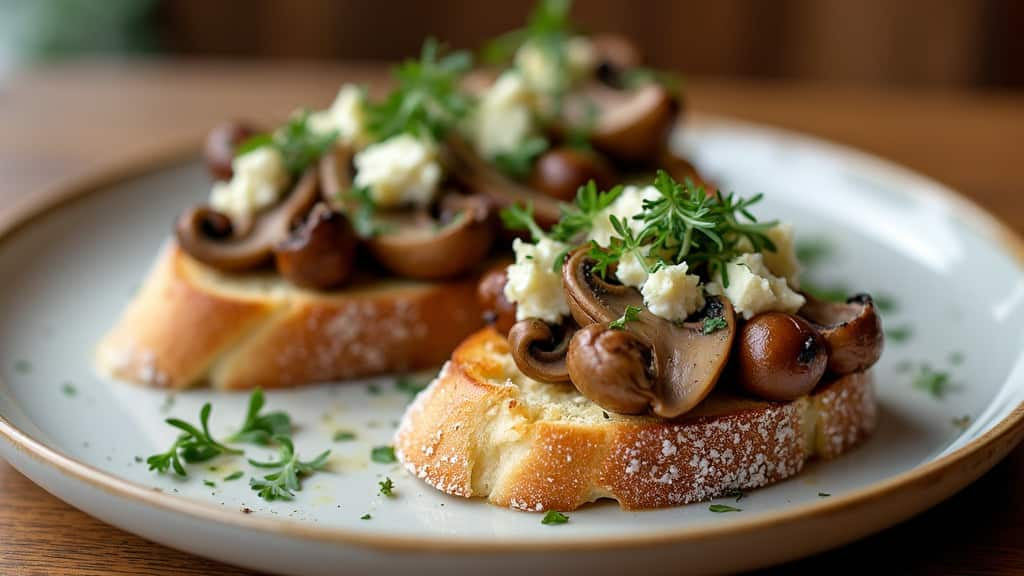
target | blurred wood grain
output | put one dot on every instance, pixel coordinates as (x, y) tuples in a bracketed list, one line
[(63, 122)]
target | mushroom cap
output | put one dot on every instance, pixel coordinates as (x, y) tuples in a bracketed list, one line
[(490, 293), (415, 246), (560, 172), (200, 231), (539, 349), (611, 367), (320, 253), (221, 143), (780, 356), (685, 362), (852, 330)]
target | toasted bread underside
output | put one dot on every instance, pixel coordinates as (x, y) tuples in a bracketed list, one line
[(483, 429), (190, 324)]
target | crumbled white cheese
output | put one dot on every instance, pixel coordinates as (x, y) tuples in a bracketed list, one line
[(630, 271), (629, 203), (504, 119), (347, 116), (580, 57), (398, 171), (258, 179), (783, 262), (539, 69), (534, 284), (754, 289), (673, 294)]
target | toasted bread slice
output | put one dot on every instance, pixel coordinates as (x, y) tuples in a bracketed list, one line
[(483, 429), (190, 324)]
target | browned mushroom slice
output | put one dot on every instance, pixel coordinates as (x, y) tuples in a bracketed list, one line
[(320, 253), (209, 237), (686, 360), (632, 125), (560, 172), (490, 294), (416, 245), (220, 146), (780, 356), (539, 349), (852, 330), (335, 170), (482, 178)]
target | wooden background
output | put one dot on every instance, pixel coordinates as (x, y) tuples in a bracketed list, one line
[(60, 122)]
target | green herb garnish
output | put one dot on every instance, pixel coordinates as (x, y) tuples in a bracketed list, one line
[(193, 445), (299, 145), (387, 487), (962, 422), (713, 324), (548, 25), (383, 454), (234, 476), (344, 436), (427, 102), (956, 358), (554, 517), (631, 314), (578, 219), (516, 217), (281, 485), (365, 516), (899, 333), (934, 382), (261, 428), (361, 212), (409, 385), (210, 483), (69, 390), (519, 162), (719, 508)]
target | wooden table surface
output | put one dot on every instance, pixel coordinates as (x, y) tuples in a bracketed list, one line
[(59, 123)]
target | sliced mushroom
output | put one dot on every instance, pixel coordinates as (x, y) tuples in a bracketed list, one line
[(416, 245), (632, 126), (320, 253), (221, 144), (210, 237), (335, 171), (560, 172), (780, 356), (853, 332), (490, 293), (539, 349), (482, 178), (685, 359)]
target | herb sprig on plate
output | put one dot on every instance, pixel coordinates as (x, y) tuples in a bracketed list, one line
[(283, 484), (194, 444)]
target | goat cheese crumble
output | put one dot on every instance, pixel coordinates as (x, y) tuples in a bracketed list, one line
[(754, 289), (505, 117), (534, 283), (347, 116), (629, 203), (399, 171), (258, 180), (673, 294)]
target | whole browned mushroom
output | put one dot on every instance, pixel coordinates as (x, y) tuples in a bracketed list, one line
[(780, 356), (320, 253), (613, 368), (221, 144), (490, 293), (482, 178), (416, 245), (211, 238), (685, 359), (852, 330), (561, 171), (539, 349)]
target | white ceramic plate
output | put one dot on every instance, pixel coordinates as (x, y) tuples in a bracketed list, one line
[(952, 276)]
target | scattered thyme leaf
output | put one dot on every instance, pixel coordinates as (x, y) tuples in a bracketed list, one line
[(956, 358), (283, 484), (365, 516), (194, 444), (234, 476), (261, 428), (962, 422), (299, 145), (518, 163), (630, 315), (373, 389), (719, 508), (578, 219), (409, 385), (383, 454), (713, 324), (554, 517), (22, 366), (935, 382), (344, 436), (210, 483), (69, 390), (387, 487), (517, 217), (899, 334)]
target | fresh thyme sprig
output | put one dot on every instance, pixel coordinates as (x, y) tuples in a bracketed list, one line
[(283, 484), (193, 445), (578, 219), (298, 143), (631, 314), (427, 102), (625, 242), (261, 428), (516, 217)]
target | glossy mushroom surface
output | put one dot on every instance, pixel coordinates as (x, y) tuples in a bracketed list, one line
[(211, 238), (780, 356), (221, 144), (613, 369), (632, 126), (560, 172), (685, 361), (539, 349), (490, 293), (319, 254), (852, 330)]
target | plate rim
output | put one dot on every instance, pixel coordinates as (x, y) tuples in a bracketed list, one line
[(1003, 436)]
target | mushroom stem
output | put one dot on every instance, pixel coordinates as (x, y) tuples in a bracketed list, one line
[(539, 349)]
